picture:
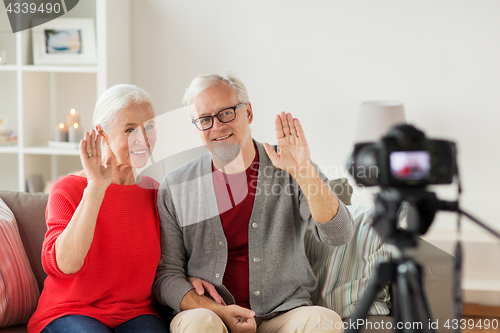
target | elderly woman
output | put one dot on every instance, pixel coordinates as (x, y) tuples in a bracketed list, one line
[(102, 245)]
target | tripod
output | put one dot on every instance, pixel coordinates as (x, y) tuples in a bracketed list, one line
[(412, 311), (411, 307)]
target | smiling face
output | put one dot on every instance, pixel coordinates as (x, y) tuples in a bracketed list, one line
[(225, 140), (133, 136)]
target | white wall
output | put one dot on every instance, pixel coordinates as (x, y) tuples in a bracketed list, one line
[(320, 59)]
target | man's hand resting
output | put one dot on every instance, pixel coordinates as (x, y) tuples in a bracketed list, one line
[(238, 319)]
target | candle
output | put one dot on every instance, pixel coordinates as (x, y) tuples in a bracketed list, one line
[(60, 132), (75, 133), (3, 57), (71, 118)]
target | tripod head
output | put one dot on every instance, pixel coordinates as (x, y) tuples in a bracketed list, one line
[(423, 206), (403, 163)]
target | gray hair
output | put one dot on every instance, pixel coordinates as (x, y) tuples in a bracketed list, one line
[(203, 82), (114, 100)]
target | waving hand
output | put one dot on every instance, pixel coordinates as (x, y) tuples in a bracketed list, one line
[(90, 154), (293, 152)]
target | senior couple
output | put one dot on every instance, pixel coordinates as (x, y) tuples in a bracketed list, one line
[(220, 240)]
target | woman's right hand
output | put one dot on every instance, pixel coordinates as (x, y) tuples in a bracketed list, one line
[(98, 175)]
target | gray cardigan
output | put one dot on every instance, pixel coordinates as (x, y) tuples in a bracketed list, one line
[(193, 241)]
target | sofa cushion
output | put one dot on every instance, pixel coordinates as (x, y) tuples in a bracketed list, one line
[(29, 210), (18, 287), (343, 272)]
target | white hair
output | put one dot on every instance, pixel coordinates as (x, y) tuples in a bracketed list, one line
[(114, 100), (203, 82)]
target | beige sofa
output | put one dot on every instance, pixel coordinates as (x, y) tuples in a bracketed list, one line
[(29, 210)]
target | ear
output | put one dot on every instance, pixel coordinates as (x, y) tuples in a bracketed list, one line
[(101, 132), (249, 112)]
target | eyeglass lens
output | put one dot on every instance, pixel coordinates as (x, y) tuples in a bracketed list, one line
[(224, 116)]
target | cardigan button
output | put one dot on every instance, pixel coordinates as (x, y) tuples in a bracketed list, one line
[(256, 293), (217, 275), (220, 243), (256, 259), (255, 225)]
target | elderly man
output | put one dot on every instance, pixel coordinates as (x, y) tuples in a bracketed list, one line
[(236, 217)]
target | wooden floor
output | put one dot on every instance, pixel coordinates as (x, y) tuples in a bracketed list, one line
[(478, 317)]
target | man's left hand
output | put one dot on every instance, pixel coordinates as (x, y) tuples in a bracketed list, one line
[(293, 151)]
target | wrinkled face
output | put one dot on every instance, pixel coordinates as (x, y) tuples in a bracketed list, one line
[(223, 140), (133, 137)]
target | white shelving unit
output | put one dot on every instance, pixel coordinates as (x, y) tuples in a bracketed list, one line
[(34, 98)]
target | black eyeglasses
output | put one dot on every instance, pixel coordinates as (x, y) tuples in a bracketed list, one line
[(224, 116)]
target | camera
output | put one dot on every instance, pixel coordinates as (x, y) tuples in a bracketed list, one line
[(403, 163), (403, 158)]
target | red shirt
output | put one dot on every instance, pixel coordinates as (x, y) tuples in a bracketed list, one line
[(235, 197), (115, 282)]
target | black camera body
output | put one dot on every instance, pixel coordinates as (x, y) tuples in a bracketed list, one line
[(403, 158)]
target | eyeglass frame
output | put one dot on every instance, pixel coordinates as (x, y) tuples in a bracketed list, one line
[(194, 121)]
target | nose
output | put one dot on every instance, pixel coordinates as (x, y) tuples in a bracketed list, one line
[(140, 137), (217, 123)]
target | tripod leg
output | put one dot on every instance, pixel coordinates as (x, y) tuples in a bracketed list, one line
[(395, 311), (421, 315), (424, 308), (405, 308), (385, 273)]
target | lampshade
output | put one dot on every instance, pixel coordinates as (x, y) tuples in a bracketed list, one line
[(376, 118)]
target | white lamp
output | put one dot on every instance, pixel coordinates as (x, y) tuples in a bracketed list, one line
[(376, 118)]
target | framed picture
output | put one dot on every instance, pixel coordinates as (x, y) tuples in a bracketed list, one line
[(64, 42)]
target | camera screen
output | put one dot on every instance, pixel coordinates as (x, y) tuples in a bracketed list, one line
[(410, 165)]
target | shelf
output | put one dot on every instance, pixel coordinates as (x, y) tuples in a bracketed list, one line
[(59, 69), (49, 69), (33, 97), (46, 150), (9, 149), (8, 68)]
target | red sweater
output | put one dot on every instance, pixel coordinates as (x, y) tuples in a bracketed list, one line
[(235, 197), (114, 283)]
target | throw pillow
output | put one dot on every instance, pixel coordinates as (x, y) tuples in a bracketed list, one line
[(18, 287), (343, 272)]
